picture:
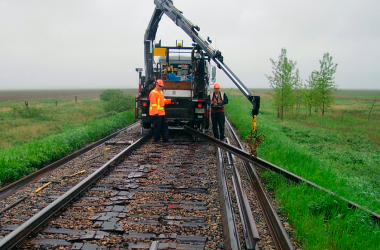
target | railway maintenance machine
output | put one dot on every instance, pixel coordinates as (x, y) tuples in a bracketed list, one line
[(186, 75)]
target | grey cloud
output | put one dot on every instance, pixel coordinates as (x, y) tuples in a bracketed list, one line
[(82, 44)]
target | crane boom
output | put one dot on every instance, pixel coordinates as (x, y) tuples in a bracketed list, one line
[(166, 7), (194, 110)]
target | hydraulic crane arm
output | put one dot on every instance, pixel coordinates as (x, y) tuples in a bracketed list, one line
[(167, 7), (149, 37)]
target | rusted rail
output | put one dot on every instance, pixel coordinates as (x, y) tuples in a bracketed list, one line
[(177, 193), (279, 235), (250, 231), (230, 231), (32, 225), (280, 171), (14, 186)]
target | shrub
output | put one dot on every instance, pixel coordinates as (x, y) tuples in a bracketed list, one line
[(116, 100), (110, 94), (27, 112)]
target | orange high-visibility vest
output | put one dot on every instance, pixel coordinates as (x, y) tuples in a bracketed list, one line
[(215, 100), (157, 102)]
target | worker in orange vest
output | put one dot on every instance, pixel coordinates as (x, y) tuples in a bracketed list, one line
[(157, 111), (217, 100)]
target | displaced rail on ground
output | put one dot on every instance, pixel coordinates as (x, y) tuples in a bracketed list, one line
[(278, 233), (276, 169)]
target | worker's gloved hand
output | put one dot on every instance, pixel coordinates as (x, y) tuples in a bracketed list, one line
[(156, 115), (173, 100), (220, 103), (213, 104)]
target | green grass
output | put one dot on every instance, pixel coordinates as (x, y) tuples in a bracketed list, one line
[(49, 129), (42, 118), (337, 154), (323, 222), (20, 160)]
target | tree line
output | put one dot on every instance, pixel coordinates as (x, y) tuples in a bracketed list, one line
[(290, 92)]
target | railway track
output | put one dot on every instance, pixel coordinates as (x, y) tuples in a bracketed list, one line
[(124, 192), (176, 195), (17, 185)]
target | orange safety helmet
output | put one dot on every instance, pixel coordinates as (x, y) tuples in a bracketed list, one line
[(159, 82), (216, 86)]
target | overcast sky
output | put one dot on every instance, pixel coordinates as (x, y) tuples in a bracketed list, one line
[(65, 44)]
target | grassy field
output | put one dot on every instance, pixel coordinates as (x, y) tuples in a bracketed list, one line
[(339, 151), (50, 126), (49, 112)]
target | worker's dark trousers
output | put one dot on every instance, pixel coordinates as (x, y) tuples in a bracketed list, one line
[(218, 120), (160, 127)]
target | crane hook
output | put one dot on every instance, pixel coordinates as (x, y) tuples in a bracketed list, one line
[(254, 140)]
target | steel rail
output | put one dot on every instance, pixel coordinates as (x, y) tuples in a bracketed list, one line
[(280, 171), (231, 236), (276, 229), (13, 239), (250, 231), (14, 186)]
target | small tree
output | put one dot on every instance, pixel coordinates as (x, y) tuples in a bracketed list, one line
[(298, 94), (322, 83), (308, 94), (285, 78)]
